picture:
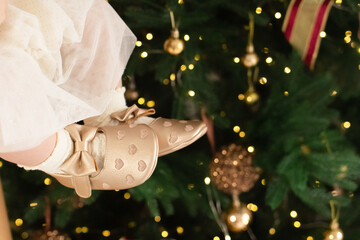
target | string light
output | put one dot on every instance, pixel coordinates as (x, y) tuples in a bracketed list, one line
[(166, 81), (241, 96), (269, 60), (164, 234), (236, 60), (191, 186), (309, 238), (172, 77), (347, 39), (180, 230), (200, 38), (322, 34), (149, 36), (242, 134), (150, 103), (346, 124), (258, 10), (138, 43), (106, 233), (236, 129), (34, 204), (287, 70), (263, 182), (191, 93), (85, 229), (263, 80), (78, 230), (251, 149), (297, 224), (252, 207), (227, 237), (19, 222), (216, 238), (186, 37), (338, 2), (141, 101), (197, 57), (183, 67), (191, 66), (157, 219), (333, 93), (277, 15), (24, 235), (293, 214), (180, 2), (286, 93), (144, 54), (272, 231), (47, 181), (207, 180), (1, 164)]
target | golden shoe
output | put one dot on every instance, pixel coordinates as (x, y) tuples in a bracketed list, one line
[(172, 134), (130, 159)]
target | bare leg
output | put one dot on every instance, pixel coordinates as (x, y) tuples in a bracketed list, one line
[(34, 156)]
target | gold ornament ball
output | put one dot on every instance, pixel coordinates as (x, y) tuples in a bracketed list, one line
[(131, 94), (232, 171), (251, 96), (335, 234), (50, 235), (250, 59), (173, 44), (238, 218)]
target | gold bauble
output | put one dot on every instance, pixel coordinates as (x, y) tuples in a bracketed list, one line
[(173, 44), (131, 94), (251, 96), (335, 233), (50, 235), (250, 59), (238, 218), (232, 171)]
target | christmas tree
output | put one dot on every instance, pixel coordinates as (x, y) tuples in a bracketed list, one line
[(283, 134)]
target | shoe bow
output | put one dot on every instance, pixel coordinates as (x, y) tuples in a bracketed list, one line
[(131, 114)]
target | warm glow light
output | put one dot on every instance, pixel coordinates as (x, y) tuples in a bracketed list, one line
[(191, 66), (172, 77), (186, 37), (106, 233), (166, 81), (183, 67), (47, 181), (269, 60), (251, 149), (138, 43), (287, 70), (263, 80), (286, 93), (127, 195), (141, 101), (85, 229), (19, 222), (333, 93), (216, 238), (191, 93), (24, 235), (241, 96), (180, 2), (207, 180), (297, 224), (144, 54), (1, 164), (293, 214), (347, 39), (157, 219), (34, 204), (150, 103), (242, 134), (272, 231), (78, 230), (258, 10), (346, 124), (149, 36), (227, 237), (277, 15), (180, 230), (232, 218), (263, 182), (252, 207), (309, 238), (322, 34), (338, 2), (236, 129), (236, 60), (197, 57), (164, 234)]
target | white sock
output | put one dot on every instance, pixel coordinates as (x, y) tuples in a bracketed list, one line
[(117, 103), (64, 148)]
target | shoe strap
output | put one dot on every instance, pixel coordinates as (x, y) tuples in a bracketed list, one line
[(81, 164), (131, 114)]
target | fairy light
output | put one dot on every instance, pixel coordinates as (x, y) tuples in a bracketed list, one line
[(1, 164), (106, 233), (197, 57), (263, 182), (78, 230), (286, 93), (183, 67), (24, 235), (277, 15), (149, 36), (172, 77), (242, 134), (263, 80), (144, 54), (157, 218), (141, 101), (138, 43), (236, 60), (309, 238), (227, 237), (164, 234), (216, 238), (166, 81), (84, 229), (358, 50), (33, 204), (272, 231), (293, 214), (180, 2), (207, 180), (258, 10), (200, 38), (191, 93), (132, 224), (251, 149), (241, 96), (186, 37), (47, 181), (127, 195), (180, 230), (269, 60), (333, 93), (297, 224), (19, 222), (347, 39), (236, 129), (191, 66), (346, 124), (338, 2), (252, 207), (287, 70), (150, 103), (322, 34)]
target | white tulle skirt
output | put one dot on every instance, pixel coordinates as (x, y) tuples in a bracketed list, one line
[(59, 62)]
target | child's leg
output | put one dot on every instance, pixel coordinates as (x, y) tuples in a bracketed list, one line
[(34, 156)]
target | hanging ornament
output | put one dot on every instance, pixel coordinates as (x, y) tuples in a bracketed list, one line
[(232, 170), (174, 45), (49, 235), (238, 217), (251, 96), (335, 233), (304, 20), (131, 94), (250, 59)]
